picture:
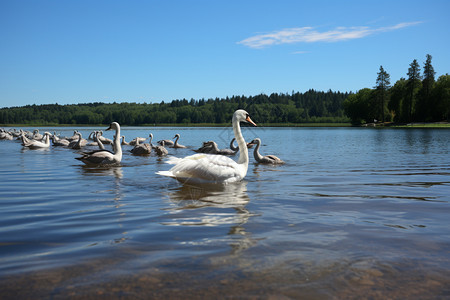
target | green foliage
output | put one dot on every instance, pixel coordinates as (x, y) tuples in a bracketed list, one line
[(441, 99), (309, 107), (358, 106), (409, 100), (397, 98)]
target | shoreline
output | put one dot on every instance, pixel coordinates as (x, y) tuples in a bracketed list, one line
[(200, 125)]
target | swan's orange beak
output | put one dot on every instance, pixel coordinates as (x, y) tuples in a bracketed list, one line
[(250, 121)]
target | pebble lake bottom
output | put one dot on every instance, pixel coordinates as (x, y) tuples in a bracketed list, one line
[(355, 213)]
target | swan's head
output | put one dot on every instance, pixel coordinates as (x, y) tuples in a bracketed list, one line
[(150, 135), (256, 141), (242, 116), (177, 136), (113, 126)]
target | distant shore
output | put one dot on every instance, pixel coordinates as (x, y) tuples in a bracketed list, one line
[(186, 125), (410, 125), (384, 125)]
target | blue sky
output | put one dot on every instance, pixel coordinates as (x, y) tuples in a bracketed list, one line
[(81, 51)]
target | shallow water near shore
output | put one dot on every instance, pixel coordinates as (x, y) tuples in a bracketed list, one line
[(354, 213)]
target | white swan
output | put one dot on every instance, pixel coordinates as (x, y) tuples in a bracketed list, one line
[(266, 159), (176, 145), (33, 144), (207, 168), (151, 139), (105, 157)]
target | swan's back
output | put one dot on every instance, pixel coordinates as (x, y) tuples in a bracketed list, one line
[(205, 168), (98, 157)]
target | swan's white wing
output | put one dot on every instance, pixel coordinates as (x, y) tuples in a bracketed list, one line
[(36, 144), (204, 168)]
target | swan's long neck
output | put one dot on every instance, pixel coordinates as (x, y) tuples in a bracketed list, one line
[(99, 142), (243, 155), (117, 145), (256, 154), (232, 147), (79, 140)]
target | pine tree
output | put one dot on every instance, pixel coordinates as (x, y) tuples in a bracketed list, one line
[(413, 82), (428, 76), (383, 83), (426, 104)]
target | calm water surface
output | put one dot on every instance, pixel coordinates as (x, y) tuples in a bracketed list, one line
[(354, 213)]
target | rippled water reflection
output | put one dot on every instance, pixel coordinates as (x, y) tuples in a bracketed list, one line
[(354, 213)]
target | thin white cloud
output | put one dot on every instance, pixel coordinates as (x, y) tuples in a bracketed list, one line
[(300, 52), (309, 35)]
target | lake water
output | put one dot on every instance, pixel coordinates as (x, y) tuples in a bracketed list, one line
[(354, 213)]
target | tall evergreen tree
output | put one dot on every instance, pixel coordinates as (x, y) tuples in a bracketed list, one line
[(414, 78), (425, 105), (428, 76), (383, 83)]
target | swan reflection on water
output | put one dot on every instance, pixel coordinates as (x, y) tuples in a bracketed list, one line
[(210, 205), (213, 196), (219, 195), (116, 171)]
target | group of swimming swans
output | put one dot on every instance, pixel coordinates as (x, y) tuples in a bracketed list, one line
[(212, 167)]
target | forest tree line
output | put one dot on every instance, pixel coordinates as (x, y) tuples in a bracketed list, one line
[(418, 98), (309, 107)]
